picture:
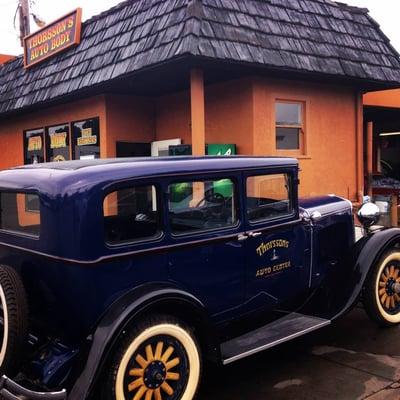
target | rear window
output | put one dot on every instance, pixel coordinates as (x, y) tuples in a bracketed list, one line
[(20, 213)]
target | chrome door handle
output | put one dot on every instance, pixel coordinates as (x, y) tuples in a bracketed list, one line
[(254, 234), (241, 237)]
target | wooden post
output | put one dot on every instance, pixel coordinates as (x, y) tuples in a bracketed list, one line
[(394, 214), (197, 104), (359, 146), (370, 156)]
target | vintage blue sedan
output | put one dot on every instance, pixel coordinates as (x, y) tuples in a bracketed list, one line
[(118, 278)]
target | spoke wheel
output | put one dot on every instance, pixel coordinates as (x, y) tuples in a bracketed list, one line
[(382, 290), (159, 360)]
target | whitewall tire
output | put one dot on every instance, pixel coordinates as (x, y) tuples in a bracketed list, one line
[(13, 320), (159, 360), (382, 290)]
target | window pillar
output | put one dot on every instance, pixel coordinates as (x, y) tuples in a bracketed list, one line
[(197, 104)]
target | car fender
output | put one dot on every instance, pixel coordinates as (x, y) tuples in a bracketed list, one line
[(366, 253), (120, 314)]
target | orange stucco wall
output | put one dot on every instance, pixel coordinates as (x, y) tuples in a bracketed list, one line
[(173, 117), (229, 114), (240, 111), (329, 162), (128, 119), (11, 129), (383, 98)]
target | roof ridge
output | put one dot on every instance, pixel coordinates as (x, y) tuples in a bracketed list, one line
[(348, 7)]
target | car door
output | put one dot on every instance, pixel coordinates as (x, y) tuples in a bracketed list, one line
[(208, 259), (277, 243)]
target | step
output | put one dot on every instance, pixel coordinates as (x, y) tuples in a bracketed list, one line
[(282, 330)]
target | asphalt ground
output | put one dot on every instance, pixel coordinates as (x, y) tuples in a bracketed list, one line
[(352, 359)]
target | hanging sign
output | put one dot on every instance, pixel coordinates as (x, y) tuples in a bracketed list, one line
[(53, 38)]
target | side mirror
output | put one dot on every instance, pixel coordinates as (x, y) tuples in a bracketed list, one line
[(368, 214)]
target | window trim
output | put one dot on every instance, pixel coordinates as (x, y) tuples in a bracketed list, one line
[(282, 218), (302, 150), (32, 236), (159, 197), (236, 183)]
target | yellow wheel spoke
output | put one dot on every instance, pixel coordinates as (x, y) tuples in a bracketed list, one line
[(382, 284), (149, 395), (167, 354), (397, 297), (149, 353), (171, 364), (383, 298), (392, 302), (136, 372), (391, 270), (167, 389), (135, 384), (141, 361), (157, 394), (159, 349), (387, 304), (140, 393), (382, 291), (396, 273), (173, 376)]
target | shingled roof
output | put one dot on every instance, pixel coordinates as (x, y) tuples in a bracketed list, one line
[(307, 36)]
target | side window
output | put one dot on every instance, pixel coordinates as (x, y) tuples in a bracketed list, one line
[(131, 214), (268, 197), (14, 217), (201, 205)]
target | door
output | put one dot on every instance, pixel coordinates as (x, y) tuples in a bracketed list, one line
[(132, 149), (161, 147), (277, 245), (208, 259)]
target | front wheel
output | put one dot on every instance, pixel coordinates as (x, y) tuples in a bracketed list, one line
[(382, 290), (159, 360)]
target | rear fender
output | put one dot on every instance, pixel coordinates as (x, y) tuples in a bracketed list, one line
[(124, 311)]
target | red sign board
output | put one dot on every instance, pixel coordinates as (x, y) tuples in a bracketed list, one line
[(53, 38)]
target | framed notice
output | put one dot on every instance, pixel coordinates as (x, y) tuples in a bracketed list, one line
[(53, 38), (57, 143), (86, 139), (34, 146)]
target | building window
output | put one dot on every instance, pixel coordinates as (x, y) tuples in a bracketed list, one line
[(289, 119), (34, 146), (86, 139), (57, 143)]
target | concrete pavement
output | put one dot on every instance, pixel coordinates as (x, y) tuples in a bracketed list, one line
[(352, 359)]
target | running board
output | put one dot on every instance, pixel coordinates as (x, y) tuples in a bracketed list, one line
[(277, 332)]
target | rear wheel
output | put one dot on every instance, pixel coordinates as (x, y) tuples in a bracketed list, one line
[(382, 290), (13, 320), (159, 360)]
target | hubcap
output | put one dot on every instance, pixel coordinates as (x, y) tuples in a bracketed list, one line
[(389, 288), (157, 371)]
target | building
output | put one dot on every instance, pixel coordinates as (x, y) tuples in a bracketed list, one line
[(264, 77)]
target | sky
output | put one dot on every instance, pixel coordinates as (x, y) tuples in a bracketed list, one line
[(385, 12)]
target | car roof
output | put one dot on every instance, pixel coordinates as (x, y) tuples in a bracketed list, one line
[(67, 174)]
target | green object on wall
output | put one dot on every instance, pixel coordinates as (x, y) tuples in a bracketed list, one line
[(221, 149)]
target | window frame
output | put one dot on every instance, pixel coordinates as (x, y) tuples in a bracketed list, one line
[(302, 127), (32, 236), (292, 199), (192, 178), (160, 207)]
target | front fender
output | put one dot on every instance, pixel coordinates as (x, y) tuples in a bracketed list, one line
[(117, 318), (366, 253)]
